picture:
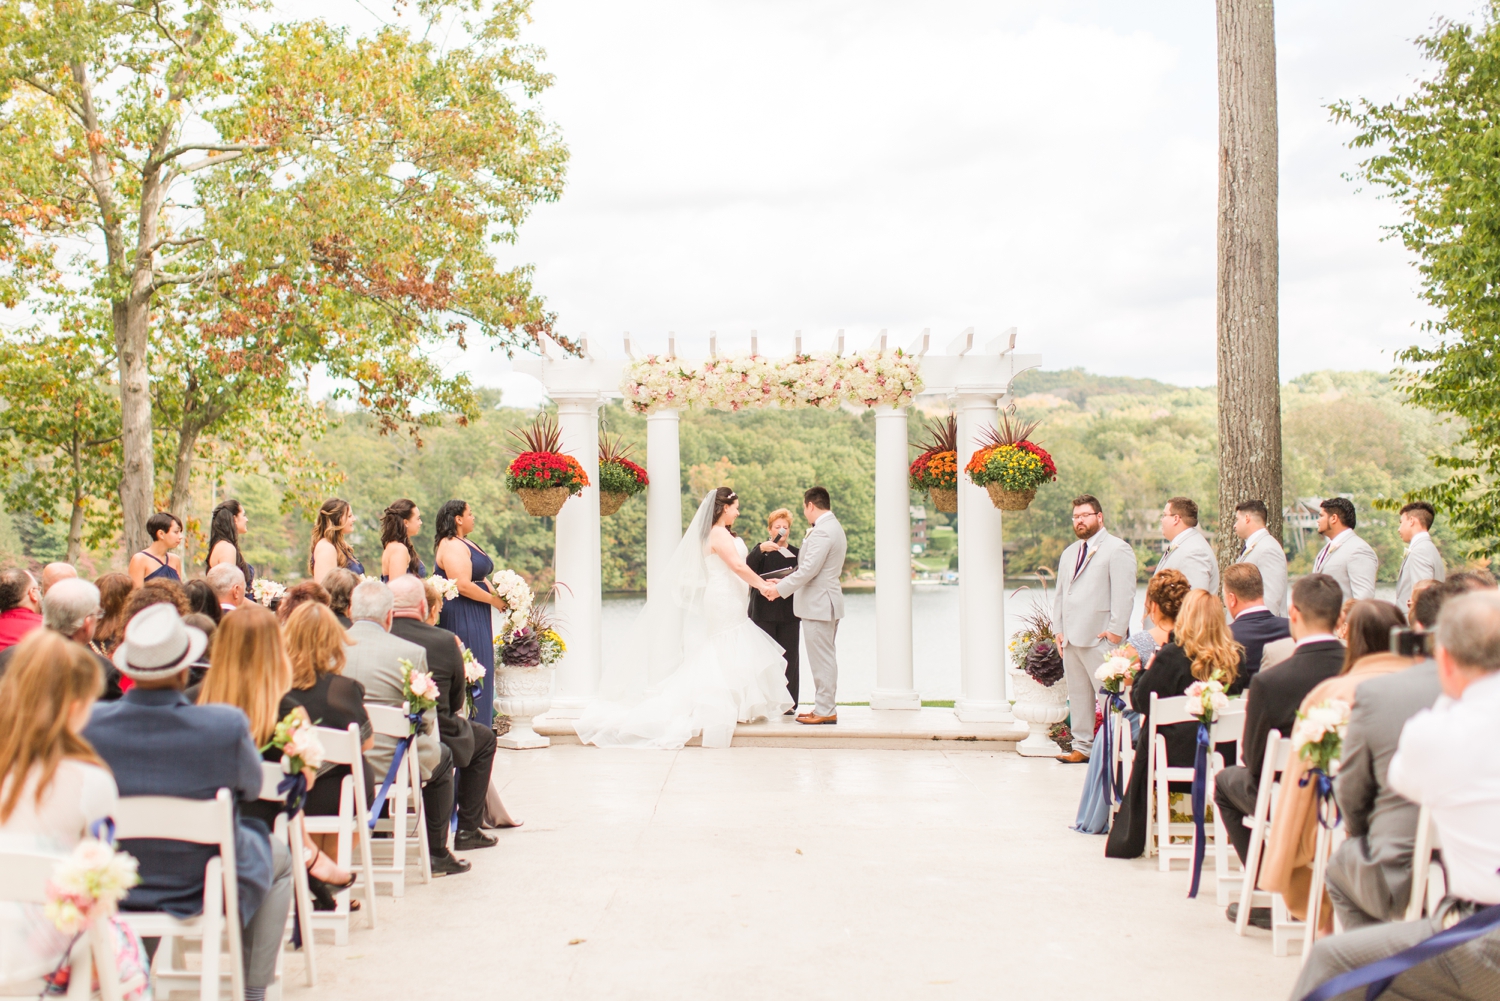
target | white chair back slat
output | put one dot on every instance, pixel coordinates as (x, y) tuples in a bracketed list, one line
[(200, 821), (1173, 710), (351, 828), (270, 777), (292, 833), (340, 747), (1230, 726), (1421, 864), (389, 721)]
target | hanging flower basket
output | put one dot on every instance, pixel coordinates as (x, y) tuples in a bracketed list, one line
[(619, 478), (936, 469), (543, 476), (1009, 466)]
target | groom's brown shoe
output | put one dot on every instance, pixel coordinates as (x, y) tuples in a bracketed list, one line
[(1072, 758), (813, 719)]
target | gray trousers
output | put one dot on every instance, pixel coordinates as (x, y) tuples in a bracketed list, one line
[(1361, 892), (1079, 665), (823, 661), (1470, 972), (266, 930)]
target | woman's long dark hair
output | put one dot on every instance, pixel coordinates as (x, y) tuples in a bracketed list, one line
[(221, 529), (1370, 624), (447, 521), (393, 529), (330, 516), (723, 497)]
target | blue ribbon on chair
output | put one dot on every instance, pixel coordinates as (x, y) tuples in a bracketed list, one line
[(103, 829), (475, 691), (1113, 703), (1324, 790), (395, 769), (294, 788), (1200, 794), (1377, 976)]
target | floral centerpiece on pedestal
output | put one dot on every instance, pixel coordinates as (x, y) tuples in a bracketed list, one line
[(619, 478), (542, 474), (1009, 465), (523, 670), (936, 469), (1037, 667)]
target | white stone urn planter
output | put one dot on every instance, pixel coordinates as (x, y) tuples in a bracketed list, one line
[(1038, 706), (522, 693)]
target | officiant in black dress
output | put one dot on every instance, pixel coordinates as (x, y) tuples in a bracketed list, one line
[(776, 617)]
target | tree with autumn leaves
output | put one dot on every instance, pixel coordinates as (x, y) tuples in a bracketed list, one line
[(237, 205)]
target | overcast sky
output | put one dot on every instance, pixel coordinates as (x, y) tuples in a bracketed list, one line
[(1045, 164)]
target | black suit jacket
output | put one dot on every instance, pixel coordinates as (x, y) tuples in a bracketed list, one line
[(1277, 693), (447, 666), (1253, 632)]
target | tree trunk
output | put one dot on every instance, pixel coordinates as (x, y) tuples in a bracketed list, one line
[(182, 470), (75, 520), (137, 503), (1249, 370)]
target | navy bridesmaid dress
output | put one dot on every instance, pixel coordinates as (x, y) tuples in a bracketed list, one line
[(163, 571), (470, 621)]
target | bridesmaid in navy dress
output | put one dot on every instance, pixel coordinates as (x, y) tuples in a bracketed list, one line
[(330, 549), (398, 526), (156, 561), (228, 523), (468, 615)]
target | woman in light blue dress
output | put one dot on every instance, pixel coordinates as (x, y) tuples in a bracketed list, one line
[(1093, 805)]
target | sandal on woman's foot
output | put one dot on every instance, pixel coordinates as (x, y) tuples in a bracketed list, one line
[(318, 854)]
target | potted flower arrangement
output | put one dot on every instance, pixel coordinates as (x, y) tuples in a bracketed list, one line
[(936, 469), (1009, 465), (619, 478), (543, 475), (1040, 701), (524, 660)]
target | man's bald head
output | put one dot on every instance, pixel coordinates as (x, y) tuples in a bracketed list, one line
[(410, 595), (54, 572)]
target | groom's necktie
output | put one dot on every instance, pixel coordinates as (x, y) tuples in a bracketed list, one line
[(1083, 552)]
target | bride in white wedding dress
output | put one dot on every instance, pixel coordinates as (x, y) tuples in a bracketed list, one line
[(697, 664)]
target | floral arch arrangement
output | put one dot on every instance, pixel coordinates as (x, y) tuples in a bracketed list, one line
[(869, 378)]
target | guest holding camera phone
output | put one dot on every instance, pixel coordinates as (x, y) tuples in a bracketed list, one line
[(774, 559)]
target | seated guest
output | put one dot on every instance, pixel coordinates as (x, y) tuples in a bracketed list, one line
[(1169, 673), (202, 600), (375, 662), (158, 592), (71, 609), (435, 601), (199, 668), (1411, 602), (114, 595), (20, 606), (1449, 761), (1287, 868), (1272, 703), (158, 743), (340, 585), (299, 594), (54, 785), (1369, 874), (1093, 805), (157, 561), (317, 648), (1254, 624), (54, 572), (471, 743), (228, 582)]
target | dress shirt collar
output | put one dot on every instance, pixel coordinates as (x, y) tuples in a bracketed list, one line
[(1258, 609), (1340, 539), (1182, 537), (1414, 538), (1255, 537), (1317, 638)]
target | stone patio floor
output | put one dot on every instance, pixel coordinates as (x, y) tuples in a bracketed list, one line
[(807, 872)]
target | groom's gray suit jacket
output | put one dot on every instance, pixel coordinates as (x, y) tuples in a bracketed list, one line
[(814, 585)]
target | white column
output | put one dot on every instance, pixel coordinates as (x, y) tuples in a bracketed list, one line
[(893, 674), (576, 558), (981, 577), (664, 495)]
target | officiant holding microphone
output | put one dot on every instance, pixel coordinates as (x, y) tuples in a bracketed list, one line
[(773, 560)]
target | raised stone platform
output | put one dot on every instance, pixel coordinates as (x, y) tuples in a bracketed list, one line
[(858, 726)]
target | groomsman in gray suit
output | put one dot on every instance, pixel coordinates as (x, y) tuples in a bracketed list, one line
[(1090, 612), (818, 600), (1345, 557), (1188, 551), (1422, 560), (1264, 551)]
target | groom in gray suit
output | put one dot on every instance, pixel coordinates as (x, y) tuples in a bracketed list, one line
[(1090, 612), (818, 599)]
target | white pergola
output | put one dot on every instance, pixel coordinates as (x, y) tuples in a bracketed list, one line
[(978, 380)]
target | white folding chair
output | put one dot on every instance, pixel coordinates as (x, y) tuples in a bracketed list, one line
[(291, 833), (1284, 928), (1427, 880), (1159, 826), (1323, 848), (1229, 727), (23, 880), (203, 822), (404, 805), (342, 747), (1122, 758)]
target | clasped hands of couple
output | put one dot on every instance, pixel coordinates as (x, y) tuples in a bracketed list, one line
[(767, 590)]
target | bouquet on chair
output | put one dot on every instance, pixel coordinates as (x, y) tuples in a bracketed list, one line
[(1318, 739), (301, 750), (473, 681), (420, 691), (1119, 669), (87, 885), (1206, 699)]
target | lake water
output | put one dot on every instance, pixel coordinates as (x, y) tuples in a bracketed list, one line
[(935, 667)]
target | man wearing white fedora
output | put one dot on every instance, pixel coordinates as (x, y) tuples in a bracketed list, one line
[(159, 744)]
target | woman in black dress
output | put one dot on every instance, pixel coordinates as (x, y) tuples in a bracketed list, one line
[(315, 644), (777, 618), (1194, 651)]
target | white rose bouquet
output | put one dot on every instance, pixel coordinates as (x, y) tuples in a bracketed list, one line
[(446, 587), (420, 690), (1119, 669), (1318, 734), (516, 593), (1206, 700), (88, 883), (298, 741), (266, 590)]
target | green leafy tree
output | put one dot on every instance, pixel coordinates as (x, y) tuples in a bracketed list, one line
[(1436, 153), (341, 193)]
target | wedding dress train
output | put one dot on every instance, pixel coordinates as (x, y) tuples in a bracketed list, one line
[(698, 664)]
